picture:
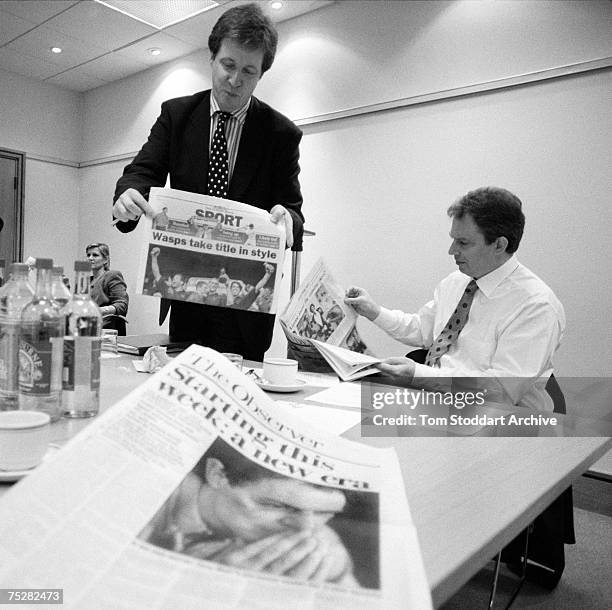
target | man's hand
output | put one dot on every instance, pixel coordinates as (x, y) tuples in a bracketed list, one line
[(131, 205), (278, 213), (277, 554), (155, 252), (399, 368), (315, 556), (362, 302)]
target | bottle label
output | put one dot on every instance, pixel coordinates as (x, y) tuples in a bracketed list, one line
[(36, 359), (9, 358), (81, 362)]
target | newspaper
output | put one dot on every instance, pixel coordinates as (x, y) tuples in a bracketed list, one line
[(317, 311), (211, 251), (197, 490), (348, 365)]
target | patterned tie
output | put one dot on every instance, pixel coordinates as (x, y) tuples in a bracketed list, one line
[(453, 327), (218, 167)]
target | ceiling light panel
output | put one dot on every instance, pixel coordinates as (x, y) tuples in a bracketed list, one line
[(160, 13)]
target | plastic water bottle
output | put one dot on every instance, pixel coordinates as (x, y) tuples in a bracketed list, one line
[(59, 291), (82, 345), (41, 348), (15, 294)]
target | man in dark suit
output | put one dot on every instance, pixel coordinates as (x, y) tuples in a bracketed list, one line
[(263, 154)]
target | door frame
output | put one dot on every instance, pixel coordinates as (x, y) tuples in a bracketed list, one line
[(19, 158)]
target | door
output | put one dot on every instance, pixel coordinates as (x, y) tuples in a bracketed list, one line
[(11, 205)]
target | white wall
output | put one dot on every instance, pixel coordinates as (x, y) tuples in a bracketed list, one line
[(355, 53), (548, 143), (44, 122), (376, 186)]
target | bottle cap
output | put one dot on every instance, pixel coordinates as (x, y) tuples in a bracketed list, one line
[(82, 266), (15, 267), (44, 263)]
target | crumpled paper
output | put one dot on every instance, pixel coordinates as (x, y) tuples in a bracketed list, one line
[(154, 359)]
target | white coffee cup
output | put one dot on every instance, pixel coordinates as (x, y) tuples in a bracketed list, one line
[(280, 371), (24, 438)]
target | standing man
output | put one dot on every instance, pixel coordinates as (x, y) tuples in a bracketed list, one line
[(260, 166), (492, 318)]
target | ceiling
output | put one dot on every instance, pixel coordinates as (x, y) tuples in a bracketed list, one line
[(101, 45)]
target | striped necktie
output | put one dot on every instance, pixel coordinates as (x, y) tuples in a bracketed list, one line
[(453, 327), (218, 166)]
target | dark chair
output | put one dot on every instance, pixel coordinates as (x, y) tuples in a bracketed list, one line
[(418, 355), (538, 552), (115, 322)]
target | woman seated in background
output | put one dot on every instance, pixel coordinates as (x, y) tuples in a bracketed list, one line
[(108, 288)]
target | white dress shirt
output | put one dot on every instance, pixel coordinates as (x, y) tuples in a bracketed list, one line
[(514, 327), (233, 131)]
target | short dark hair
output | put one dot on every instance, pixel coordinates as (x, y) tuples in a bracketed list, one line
[(239, 470), (248, 25), (497, 213)]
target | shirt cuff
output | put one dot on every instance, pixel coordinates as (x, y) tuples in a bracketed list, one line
[(385, 319), (421, 371)]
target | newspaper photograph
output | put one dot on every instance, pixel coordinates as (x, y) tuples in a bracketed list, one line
[(317, 311), (198, 490), (211, 251)]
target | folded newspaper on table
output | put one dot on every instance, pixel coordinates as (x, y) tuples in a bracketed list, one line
[(317, 311), (346, 364), (212, 251), (197, 490)]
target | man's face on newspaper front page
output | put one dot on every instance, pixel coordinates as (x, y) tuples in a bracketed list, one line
[(257, 509)]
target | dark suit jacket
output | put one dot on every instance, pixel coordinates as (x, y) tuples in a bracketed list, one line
[(265, 173)]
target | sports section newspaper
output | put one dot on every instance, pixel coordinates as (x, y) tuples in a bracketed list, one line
[(212, 251), (197, 489), (317, 313)]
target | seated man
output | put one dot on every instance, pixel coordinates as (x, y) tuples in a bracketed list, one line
[(493, 318)]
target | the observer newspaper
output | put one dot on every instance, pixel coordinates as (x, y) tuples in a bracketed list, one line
[(211, 251), (197, 490)]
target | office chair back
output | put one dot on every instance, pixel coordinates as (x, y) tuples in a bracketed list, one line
[(116, 322)]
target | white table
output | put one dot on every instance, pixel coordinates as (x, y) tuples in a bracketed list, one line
[(468, 496)]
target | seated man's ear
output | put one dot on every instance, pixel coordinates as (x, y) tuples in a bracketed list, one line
[(215, 473), (501, 243)]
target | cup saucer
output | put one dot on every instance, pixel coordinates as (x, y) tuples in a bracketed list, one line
[(270, 387), (10, 476)]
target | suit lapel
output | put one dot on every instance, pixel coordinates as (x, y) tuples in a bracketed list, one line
[(199, 135), (249, 152)]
